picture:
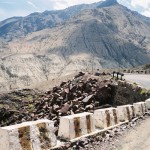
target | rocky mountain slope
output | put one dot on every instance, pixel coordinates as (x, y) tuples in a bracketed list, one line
[(107, 36), (16, 27)]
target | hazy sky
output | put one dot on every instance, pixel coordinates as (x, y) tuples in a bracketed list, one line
[(9, 8)]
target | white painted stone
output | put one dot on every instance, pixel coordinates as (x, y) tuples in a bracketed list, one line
[(33, 135), (125, 112), (74, 126), (140, 108), (148, 103), (105, 118)]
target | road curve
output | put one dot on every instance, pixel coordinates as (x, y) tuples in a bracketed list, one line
[(141, 79)]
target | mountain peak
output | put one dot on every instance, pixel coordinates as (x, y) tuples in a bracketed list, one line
[(107, 3)]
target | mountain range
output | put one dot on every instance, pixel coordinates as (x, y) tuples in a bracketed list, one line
[(51, 44), (21, 26)]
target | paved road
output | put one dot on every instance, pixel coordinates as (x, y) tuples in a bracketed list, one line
[(136, 139), (142, 79)]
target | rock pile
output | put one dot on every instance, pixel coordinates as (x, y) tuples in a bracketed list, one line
[(83, 93), (127, 93)]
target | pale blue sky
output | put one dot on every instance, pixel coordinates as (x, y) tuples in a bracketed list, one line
[(10, 8)]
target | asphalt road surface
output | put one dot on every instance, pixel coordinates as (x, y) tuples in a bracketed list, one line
[(141, 79)]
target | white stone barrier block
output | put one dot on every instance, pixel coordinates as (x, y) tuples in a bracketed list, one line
[(140, 108), (148, 103), (33, 135), (77, 125), (105, 118), (125, 112)]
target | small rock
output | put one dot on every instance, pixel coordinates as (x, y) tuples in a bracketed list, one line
[(87, 99), (89, 107), (65, 108), (75, 102)]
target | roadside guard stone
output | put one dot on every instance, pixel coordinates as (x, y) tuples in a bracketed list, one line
[(77, 125), (33, 135), (140, 108), (148, 103), (125, 112), (105, 118)]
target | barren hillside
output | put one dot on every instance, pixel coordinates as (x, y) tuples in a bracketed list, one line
[(105, 37)]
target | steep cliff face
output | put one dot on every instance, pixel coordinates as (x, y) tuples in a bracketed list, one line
[(105, 37)]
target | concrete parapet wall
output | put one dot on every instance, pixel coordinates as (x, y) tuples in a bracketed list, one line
[(125, 112), (105, 118), (75, 126), (148, 103), (34, 135), (140, 108)]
